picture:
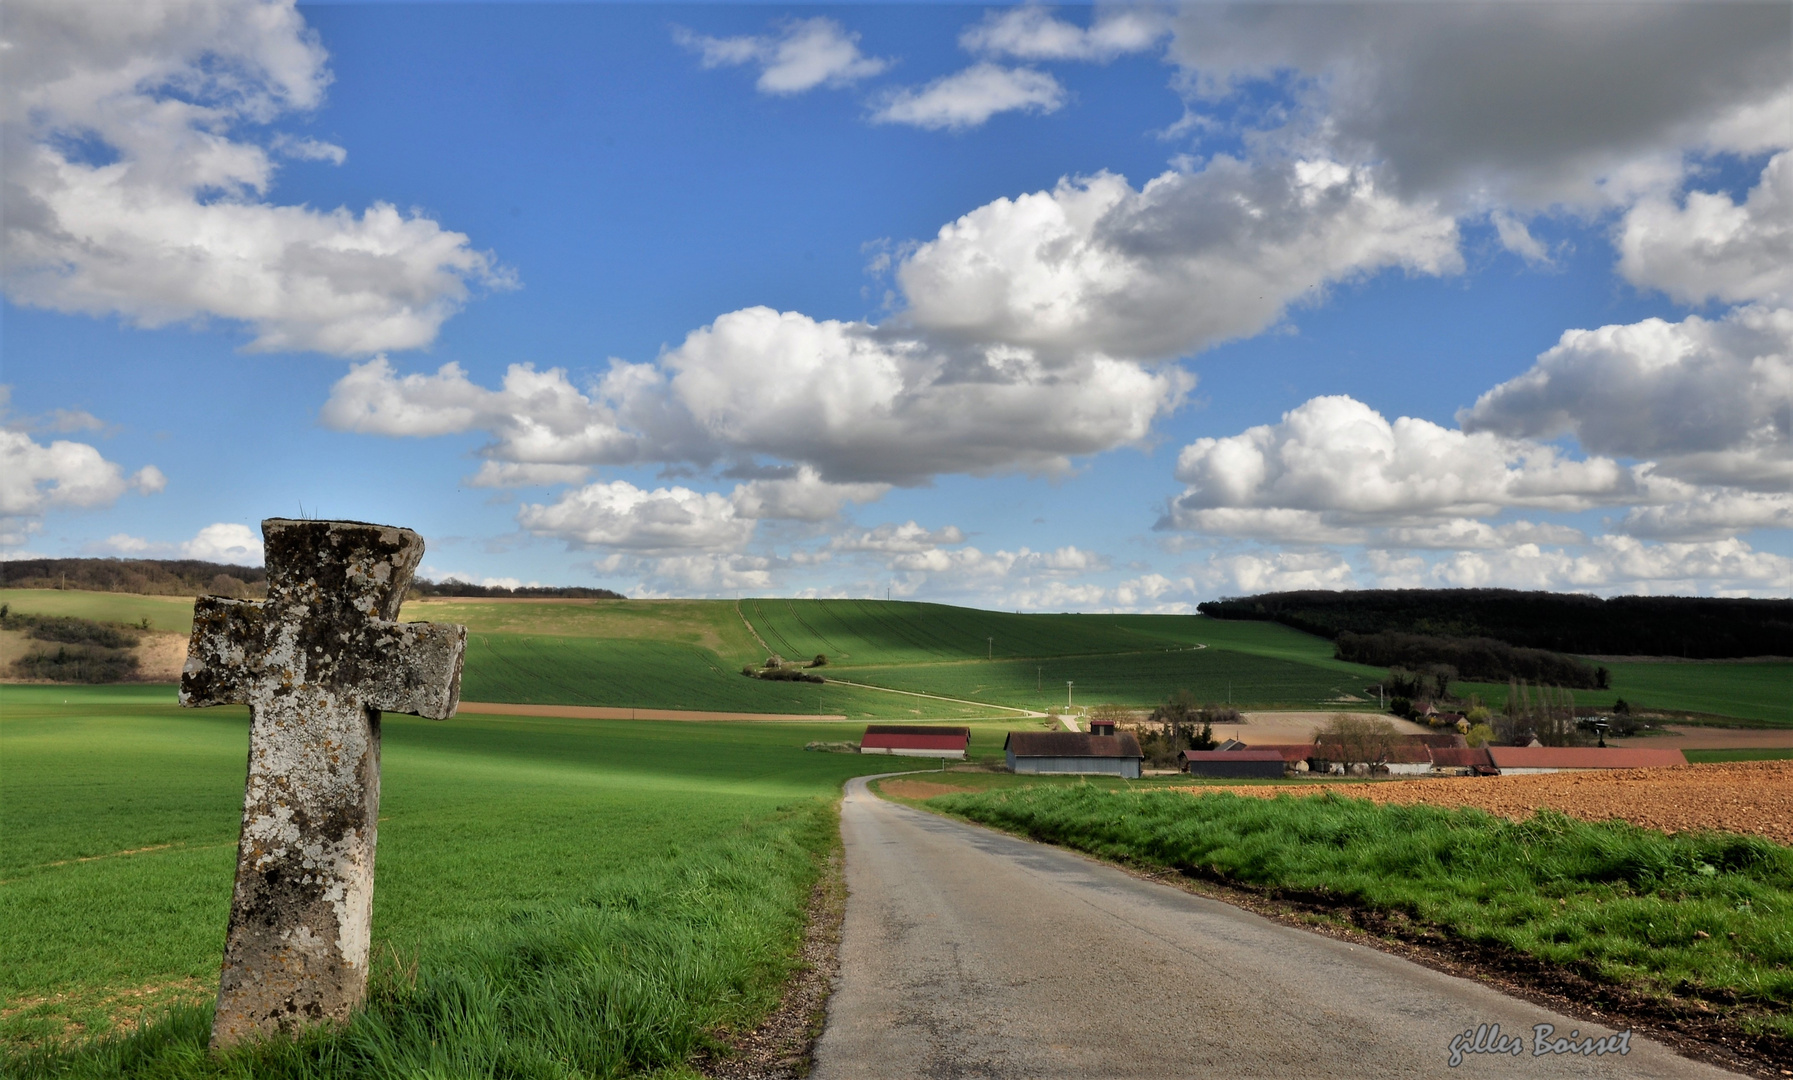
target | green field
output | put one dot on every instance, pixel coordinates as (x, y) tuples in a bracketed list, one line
[(642, 674), (1754, 753), (1140, 679), (661, 867), (168, 613), (687, 654), (1757, 692)]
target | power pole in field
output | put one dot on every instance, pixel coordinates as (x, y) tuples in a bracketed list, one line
[(1067, 693), (991, 653)]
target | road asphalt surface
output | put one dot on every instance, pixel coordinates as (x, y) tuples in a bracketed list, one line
[(968, 953)]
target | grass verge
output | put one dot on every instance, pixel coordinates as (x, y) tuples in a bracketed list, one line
[(640, 973), (1706, 917), (556, 897)]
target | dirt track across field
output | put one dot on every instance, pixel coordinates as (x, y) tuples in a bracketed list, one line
[(1754, 797)]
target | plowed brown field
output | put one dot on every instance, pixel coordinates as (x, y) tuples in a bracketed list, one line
[(1740, 796)]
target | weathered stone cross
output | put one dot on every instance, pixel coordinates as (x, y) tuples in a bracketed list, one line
[(316, 662)]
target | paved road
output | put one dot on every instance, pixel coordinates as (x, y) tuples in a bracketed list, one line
[(967, 953)]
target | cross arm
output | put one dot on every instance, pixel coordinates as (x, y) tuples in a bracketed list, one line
[(224, 653), (422, 669)]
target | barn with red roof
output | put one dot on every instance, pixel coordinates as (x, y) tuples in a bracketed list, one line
[(916, 740)]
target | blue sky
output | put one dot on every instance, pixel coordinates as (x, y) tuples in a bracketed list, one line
[(1076, 308)]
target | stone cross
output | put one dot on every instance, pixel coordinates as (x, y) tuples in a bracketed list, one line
[(316, 662)]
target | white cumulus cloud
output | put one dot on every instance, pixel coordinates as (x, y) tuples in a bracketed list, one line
[(800, 495), (907, 538), (1335, 463), (169, 221), (1706, 399), (1711, 248), (1190, 260), (802, 55), (536, 418), (1621, 564), (968, 98), (665, 521), (865, 405), (1272, 571), (225, 542), (1713, 514), (1032, 32), (36, 478)]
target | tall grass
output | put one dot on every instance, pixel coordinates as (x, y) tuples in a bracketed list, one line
[(1708, 915), (632, 977)]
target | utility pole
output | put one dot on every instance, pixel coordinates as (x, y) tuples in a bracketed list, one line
[(990, 654), (1067, 693), (1039, 674)]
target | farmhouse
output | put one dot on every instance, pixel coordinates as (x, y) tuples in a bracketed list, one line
[(1409, 758), (1233, 763), (1073, 752), (1514, 760), (915, 740)]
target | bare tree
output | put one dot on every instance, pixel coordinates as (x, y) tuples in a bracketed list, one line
[(1355, 739)]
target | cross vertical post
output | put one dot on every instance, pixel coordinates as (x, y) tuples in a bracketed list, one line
[(316, 662)]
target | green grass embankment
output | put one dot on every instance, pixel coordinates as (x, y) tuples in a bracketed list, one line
[(1707, 916), (563, 897)]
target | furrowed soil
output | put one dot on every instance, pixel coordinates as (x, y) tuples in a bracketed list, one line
[(1753, 797)]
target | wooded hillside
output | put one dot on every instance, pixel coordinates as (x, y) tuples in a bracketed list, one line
[(1697, 627)]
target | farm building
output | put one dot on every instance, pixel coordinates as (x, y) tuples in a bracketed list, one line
[(1073, 752), (1514, 760), (915, 740), (1467, 760), (1296, 757), (1233, 763), (1409, 758)]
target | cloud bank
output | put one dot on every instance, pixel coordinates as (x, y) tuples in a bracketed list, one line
[(132, 186)]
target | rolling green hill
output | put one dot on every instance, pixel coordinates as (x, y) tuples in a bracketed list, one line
[(645, 674), (174, 613), (687, 654)]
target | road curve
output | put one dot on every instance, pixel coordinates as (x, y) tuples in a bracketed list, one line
[(968, 953)]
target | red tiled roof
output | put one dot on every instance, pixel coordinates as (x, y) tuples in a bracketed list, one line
[(914, 742), (1071, 744), (1462, 757), (916, 729), (1231, 755), (1582, 757), (1289, 751), (1408, 754)]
